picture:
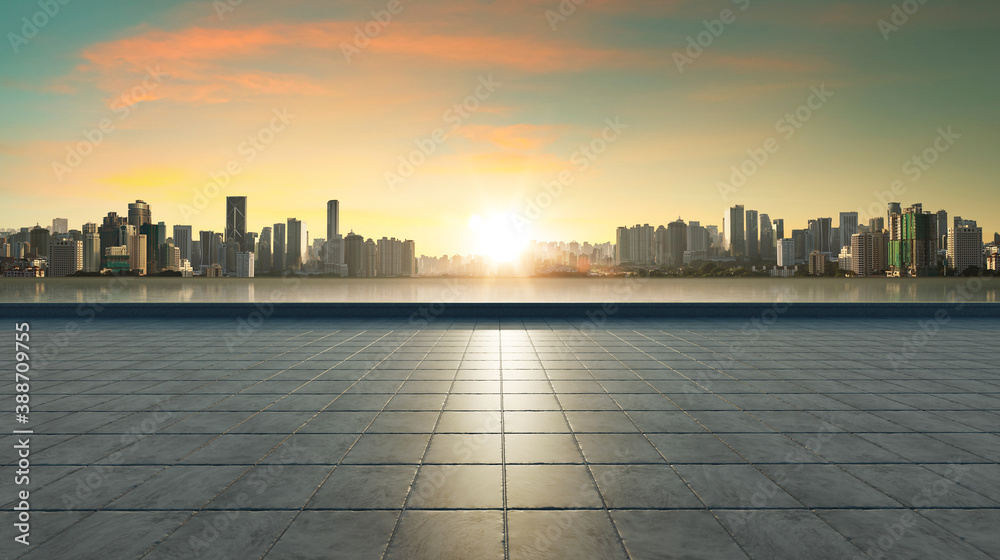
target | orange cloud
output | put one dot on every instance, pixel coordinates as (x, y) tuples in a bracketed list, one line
[(211, 65), (517, 137)]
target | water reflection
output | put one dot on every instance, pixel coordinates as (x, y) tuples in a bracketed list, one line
[(443, 290)]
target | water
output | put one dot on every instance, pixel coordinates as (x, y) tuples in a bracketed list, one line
[(476, 290)]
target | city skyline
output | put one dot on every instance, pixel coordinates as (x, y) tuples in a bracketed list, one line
[(782, 107)]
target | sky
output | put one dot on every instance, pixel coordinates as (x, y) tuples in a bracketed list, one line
[(541, 119)]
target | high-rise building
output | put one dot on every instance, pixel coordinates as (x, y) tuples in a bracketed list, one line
[(965, 248), (876, 224), (735, 236), (169, 257), (236, 221), (109, 233), (817, 263), (296, 246), (698, 239), (278, 256), (66, 257), (139, 214), (389, 257), (767, 239), (116, 259), (244, 264), (752, 235), (848, 227), (408, 258), (371, 258), (868, 253), (635, 245), (802, 247), (660, 247), (676, 242), (913, 243), (786, 252), (152, 232), (182, 240), (942, 228), (209, 250), (894, 208), (332, 219), (91, 248), (824, 235), (779, 229), (60, 225), (39, 239), (354, 255), (262, 260)]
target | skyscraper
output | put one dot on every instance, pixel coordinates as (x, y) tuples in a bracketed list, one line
[(39, 239), (848, 227), (278, 256), (182, 240), (236, 221), (91, 248), (965, 247), (735, 234), (676, 242), (942, 228), (660, 247), (786, 252), (752, 235), (139, 214), (294, 247), (868, 253), (263, 259), (66, 257), (332, 219), (60, 225), (109, 232), (209, 251), (635, 245), (824, 237), (354, 255), (779, 228), (767, 245), (913, 243)]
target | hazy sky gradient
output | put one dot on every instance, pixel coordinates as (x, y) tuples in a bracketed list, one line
[(610, 59)]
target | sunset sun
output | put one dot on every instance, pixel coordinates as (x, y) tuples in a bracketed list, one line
[(496, 237)]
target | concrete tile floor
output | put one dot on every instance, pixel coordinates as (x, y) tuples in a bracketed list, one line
[(510, 439)]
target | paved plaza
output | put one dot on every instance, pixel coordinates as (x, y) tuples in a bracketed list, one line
[(493, 439)]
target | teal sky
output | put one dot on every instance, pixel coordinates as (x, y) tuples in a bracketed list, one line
[(353, 121)]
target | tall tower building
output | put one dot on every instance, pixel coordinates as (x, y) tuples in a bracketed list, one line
[(676, 242), (965, 247), (735, 233), (752, 235), (60, 225), (209, 251), (278, 256), (236, 221), (139, 214), (182, 240), (263, 260), (109, 234), (66, 257), (942, 228), (39, 239), (779, 229), (766, 238), (868, 253), (913, 243), (354, 255), (786, 252), (91, 248), (848, 227), (660, 247), (332, 219), (294, 246)]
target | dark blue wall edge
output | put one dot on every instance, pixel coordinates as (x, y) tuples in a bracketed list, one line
[(427, 311)]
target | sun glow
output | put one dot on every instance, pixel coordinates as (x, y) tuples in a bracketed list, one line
[(497, 237)]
